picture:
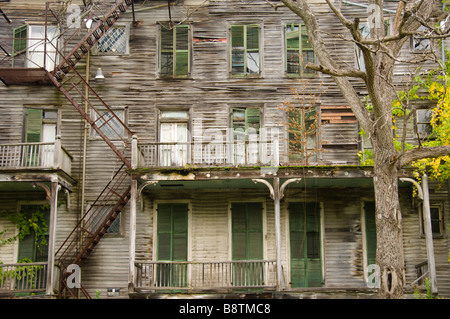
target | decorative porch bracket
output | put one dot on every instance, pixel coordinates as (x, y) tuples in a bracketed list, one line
[(425, 197), (277, 193)]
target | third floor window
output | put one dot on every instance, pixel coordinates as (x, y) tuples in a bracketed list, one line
[(245, 50), (174, 52)]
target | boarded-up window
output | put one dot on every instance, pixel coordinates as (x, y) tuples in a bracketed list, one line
[(245, 51), (174, 56), (305, 244), (299, 50)]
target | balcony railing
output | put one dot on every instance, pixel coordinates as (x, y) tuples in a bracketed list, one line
[(205, 275), (23, 277), (238, 153), (35, 156)]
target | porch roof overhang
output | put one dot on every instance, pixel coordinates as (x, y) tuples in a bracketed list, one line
[(22, 180), (235, 178)]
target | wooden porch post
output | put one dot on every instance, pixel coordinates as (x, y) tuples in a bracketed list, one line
[(132, 255), (429, 233), (51, 237), (277, 193), (276, 202)]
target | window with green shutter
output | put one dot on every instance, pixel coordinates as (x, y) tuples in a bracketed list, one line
[(305, 244), (245, 50), (20, 39), (174, 55), (247, 242), (371, 232), (299, 50), (172, 241), (246, 120)]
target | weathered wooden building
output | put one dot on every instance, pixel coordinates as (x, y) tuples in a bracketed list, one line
[(155, 138)]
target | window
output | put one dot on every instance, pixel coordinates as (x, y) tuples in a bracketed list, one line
[(39, 47), (305, 238), (174, 55), (420, 44), (303, 125), (437, 220), (245, 51), (423, 123), (110, 123), (246, 123), (40, 135), (364, 28), (299, 51), (114, 41), (173, 138), (98, 216)]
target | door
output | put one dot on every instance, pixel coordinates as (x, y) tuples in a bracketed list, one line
[(174, 147), (247, 244), (371, 232), (305, 246), (172, 245), (40, 128)]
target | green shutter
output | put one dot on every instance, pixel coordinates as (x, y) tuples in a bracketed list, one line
[(172, 232), (247, 243), (20, 39), (33, 126), (304, 225), (174, 51), (247, 231), (371, 232), (172, 244)]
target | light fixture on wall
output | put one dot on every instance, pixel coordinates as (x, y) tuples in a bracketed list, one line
[(99, 77)]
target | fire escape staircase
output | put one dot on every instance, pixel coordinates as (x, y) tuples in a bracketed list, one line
[(111, 202)]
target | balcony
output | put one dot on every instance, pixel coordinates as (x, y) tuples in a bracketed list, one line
[(23, 278), (190, 275), (35, 156), (217, 154)]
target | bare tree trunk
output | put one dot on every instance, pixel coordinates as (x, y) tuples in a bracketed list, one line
[(389, 256)]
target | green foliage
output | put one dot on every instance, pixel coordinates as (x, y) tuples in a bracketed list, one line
[(21, 273), (428, 292), (25, 224)]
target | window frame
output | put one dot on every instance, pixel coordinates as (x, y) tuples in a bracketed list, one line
[(441, 220), (174, 51), (123, 117), (301, 32), (126, 27), (245, 50), (422, 134)]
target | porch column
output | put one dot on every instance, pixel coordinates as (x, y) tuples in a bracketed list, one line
[(277, 193), (429, 233), (51, 237), (425, 197), (132, 252)]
